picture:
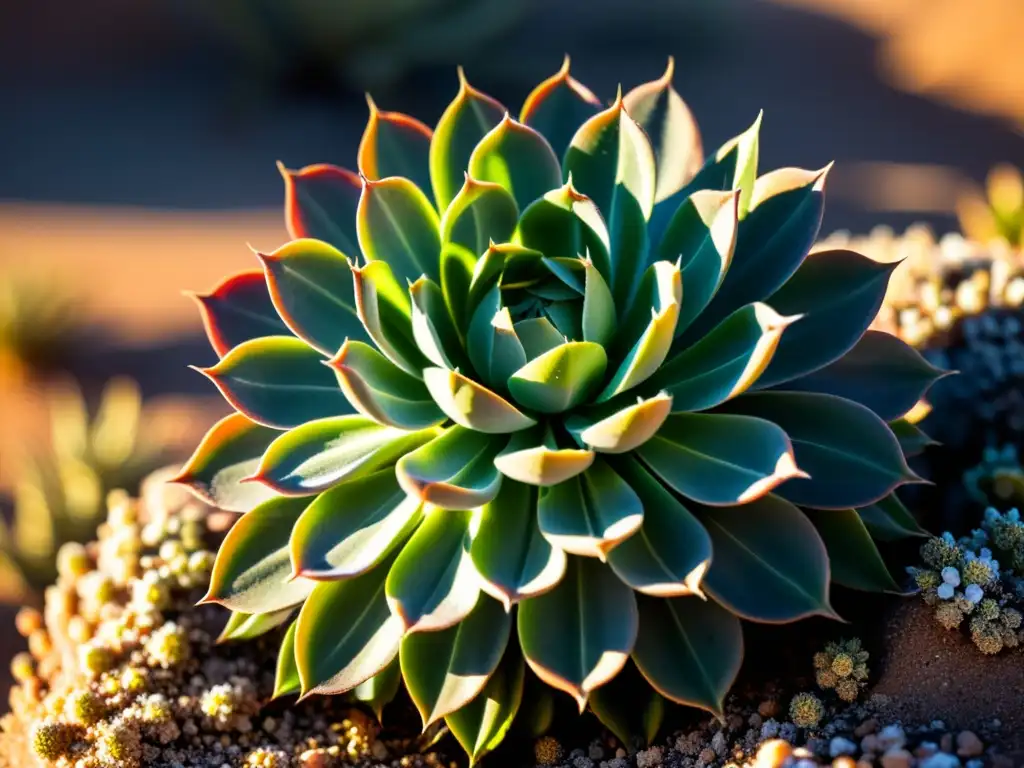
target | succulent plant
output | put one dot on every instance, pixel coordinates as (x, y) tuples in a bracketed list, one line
[(37, 323), (60, 496), (998, 213), (591, 391)]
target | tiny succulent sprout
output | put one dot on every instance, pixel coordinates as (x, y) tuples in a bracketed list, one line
[(51, 739), (806, 710), (547, 750), (550, 363), (842, 667)]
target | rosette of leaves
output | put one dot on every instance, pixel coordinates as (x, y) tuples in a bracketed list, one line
[(551, 390)]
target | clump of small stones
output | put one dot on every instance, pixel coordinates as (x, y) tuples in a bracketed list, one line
[(124, 669)]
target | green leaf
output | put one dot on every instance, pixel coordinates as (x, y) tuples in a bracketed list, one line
[(286, 678), (580, 634), (690, 650), (492, 344), (724, 363), (537, 335), (837, 294), (252, 572), (561, 378), (652, 346), (675, 139), (598, 307), (433, 327), (701, 236), (320, 202), (398, 225), (320, 454), (519, 159), (229, 453), (472, 405), (759, 574), (394, 144), (533, 457), (351, 528), (246, 626), (851, 456), (511, 556), (720, 459), (558, 106), (335, 657), (445, 670), (912, 439), (381, 689), (881, 372), (464, 123), (311, 286), (481, 725), (614, 428), (566, 223), (385, 312), (591, 513), (628, 707), (854, 560), (888, 520), (455, 470), (237, 310), (611, 161), (379, 389), (783, 223), (278, 381), (432, 584)]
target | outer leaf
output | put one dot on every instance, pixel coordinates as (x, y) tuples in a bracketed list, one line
[(854, 559), (533, 457), (510, 554), (561, 378), (702, 237), (690, 650), (472, 405), (591, 513), (492, 343), (397, 224), (320, 454), (852, 457), (385, 313), (278, 381), (433, 327), (598, 307), (537, 335), (332, 661), (558, 106), (455, 470), (394, 144), (246, 626), (720, 459), (464, 123), (432, 584), (671, 552), (784, 219), (628, 707), (311, 286), (481, 725), (237, 310), (252, 572), (519, 159), (620, 429), (566, 223), (726, 362), (881, 372), (758, 576), (351, 528), (379, 389), (579, 635), (888, 520), (286, 679), (320, 202), (675, 139), (379, 690), (446, 670), (837, 294), (912, 440), (229, 452)]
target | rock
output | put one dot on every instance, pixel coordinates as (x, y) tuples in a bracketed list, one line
[(718, 744), (897, 757), (768, 708), (968, 744), (649, 758), (755, 720), (940, 760), (891, 737), (926, 749), (707, 755), (772, 754), (620, 752), (802, 753), (975, 763), (946, 742), (844, 762), (806, 763), (595, 751), (770, 729), (840, 746), (734, 722), (870, 744), (378, 750), (868, 726), (937, 725)]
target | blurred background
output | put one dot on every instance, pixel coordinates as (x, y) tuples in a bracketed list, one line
[(138, 140)]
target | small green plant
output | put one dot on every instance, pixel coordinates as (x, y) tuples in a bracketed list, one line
[(38, 323), (806, 710), (60, 496), (842, 667), (591, 392), (998, 480), (997, 214)]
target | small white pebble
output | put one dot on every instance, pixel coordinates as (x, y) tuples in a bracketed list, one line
[(840, 746)]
